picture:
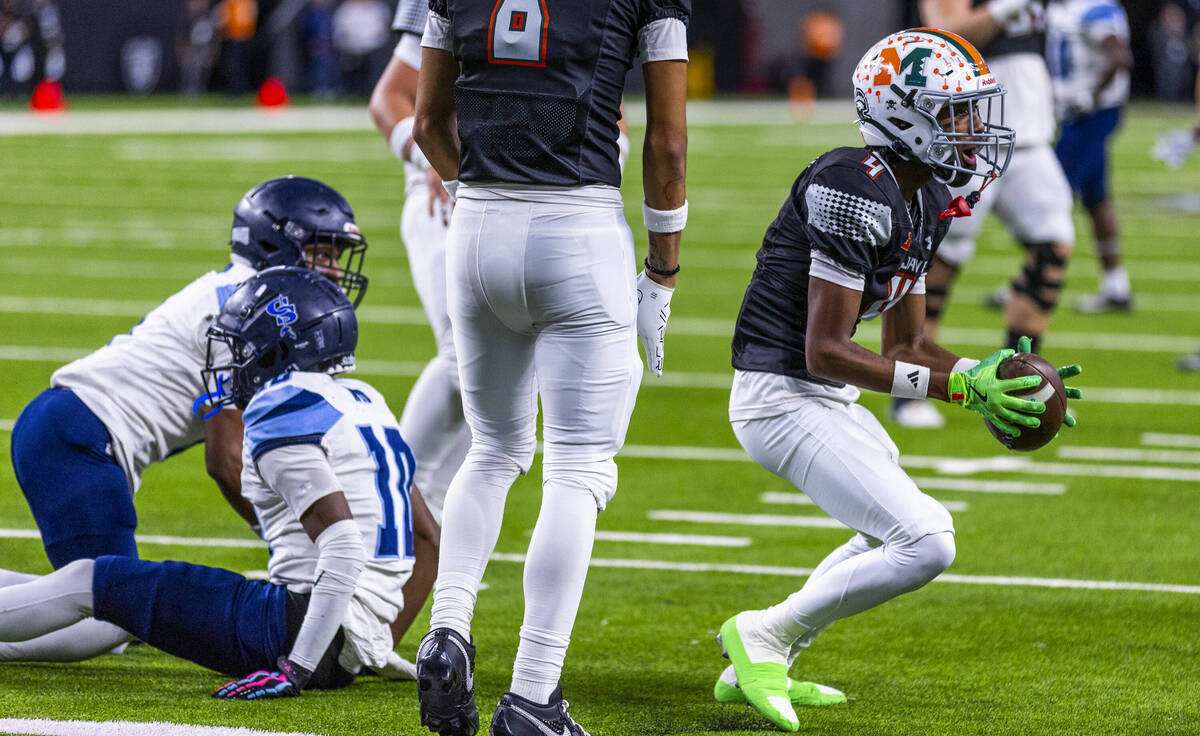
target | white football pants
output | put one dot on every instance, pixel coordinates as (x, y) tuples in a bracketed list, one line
[(843, 459), (432, 422), (542, 301)]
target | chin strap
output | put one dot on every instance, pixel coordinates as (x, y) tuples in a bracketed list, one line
[(961, 206)]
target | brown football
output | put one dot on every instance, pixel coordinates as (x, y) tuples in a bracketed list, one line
[(1050, 391)]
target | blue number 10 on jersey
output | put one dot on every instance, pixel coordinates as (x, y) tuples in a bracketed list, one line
[(394, 491)]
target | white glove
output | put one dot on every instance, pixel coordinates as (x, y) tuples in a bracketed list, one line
[(654, 307), (1174, 147), (1007, 10), (397, 668)]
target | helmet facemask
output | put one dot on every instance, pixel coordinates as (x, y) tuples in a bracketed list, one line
[(970, 138), (339, 258)]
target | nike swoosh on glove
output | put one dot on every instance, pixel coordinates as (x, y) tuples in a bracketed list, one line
[(654, 307)]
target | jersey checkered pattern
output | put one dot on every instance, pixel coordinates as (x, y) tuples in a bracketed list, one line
[(848, 216), (410, 16)]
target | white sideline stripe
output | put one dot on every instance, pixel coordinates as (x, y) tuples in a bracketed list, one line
[(989, 486), (155, 539), (800, 499), (1170, 440), (695, 539), (944, 578), (707, 517), (1128, 454), (682, 452), (6, 425), (45, 727)]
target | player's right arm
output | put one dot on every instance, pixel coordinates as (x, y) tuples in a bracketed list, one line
[(978, 24), (435, 128), (302, 475)]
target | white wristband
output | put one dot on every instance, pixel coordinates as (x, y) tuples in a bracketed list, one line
[(401, 135), (622, 149), (664, 221), (964, 364), (910, 381)]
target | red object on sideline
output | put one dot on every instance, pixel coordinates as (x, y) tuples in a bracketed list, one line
[(272, 93), (48, 96)]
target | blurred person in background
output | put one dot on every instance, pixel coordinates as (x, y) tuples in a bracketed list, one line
[(196, 48), (1170, 53), (51, 57), (18, 60), (1089, 58), (1033, 200), (360, 32), (237, 20), (320, 51), (1191, 363)]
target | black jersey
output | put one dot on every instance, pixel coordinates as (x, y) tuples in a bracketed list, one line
[(1025, 35), (846, 211), (539, 90)]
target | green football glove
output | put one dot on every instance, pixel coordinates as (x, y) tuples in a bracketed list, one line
[(1025, 345), (978, 389)]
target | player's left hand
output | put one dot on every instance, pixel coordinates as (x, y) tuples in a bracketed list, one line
[(286, 681), (1025, 345), (654, 307)]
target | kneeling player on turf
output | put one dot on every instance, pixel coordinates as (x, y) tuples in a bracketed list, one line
[(330, 479), (854, 241)]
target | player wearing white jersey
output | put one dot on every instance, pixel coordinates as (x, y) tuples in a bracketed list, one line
[(79, 448), (1087, 48), (1032, 200), (330, 478)]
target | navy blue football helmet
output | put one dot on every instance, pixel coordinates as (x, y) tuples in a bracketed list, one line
[(294, 221), (279, 320)]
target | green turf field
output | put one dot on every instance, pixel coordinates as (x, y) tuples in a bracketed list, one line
[(1020, 637)]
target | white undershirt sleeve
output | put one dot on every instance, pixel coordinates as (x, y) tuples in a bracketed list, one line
[(663, 40), (300, 474), (827, 269), (437, 33), (408, 50)]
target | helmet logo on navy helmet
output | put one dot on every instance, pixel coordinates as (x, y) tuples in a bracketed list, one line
[(284, 313)]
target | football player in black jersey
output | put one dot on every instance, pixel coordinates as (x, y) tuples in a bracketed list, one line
[(517, 109), (854, 241)]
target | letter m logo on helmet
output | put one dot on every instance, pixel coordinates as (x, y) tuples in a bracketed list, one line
[(913, 64)]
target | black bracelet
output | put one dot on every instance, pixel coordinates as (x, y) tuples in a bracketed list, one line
[(659, 271)]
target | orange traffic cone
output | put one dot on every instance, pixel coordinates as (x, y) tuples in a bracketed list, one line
[(272, 93), (48, 97)]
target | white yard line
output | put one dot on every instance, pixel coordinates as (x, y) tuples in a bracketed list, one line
[(954, 466), (645, 565), (701, 540), (6, 425), (989, 486), (944, 578), (1125, 454), (800, 499), (45, 727), (1164, 439), (707, 517)]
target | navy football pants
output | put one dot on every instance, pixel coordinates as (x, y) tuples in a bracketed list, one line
[(79, 495)]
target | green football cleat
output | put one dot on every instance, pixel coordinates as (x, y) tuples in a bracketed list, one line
[(764, 684), (808, 694)]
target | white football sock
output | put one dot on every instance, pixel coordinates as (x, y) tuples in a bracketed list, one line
[(49, 603), (433, 426), (75, 643), (865, 580), (471, 524), (1115, 283), (555, 571)]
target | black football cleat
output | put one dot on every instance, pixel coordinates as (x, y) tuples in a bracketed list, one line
[(516, 716), (446, 684)]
